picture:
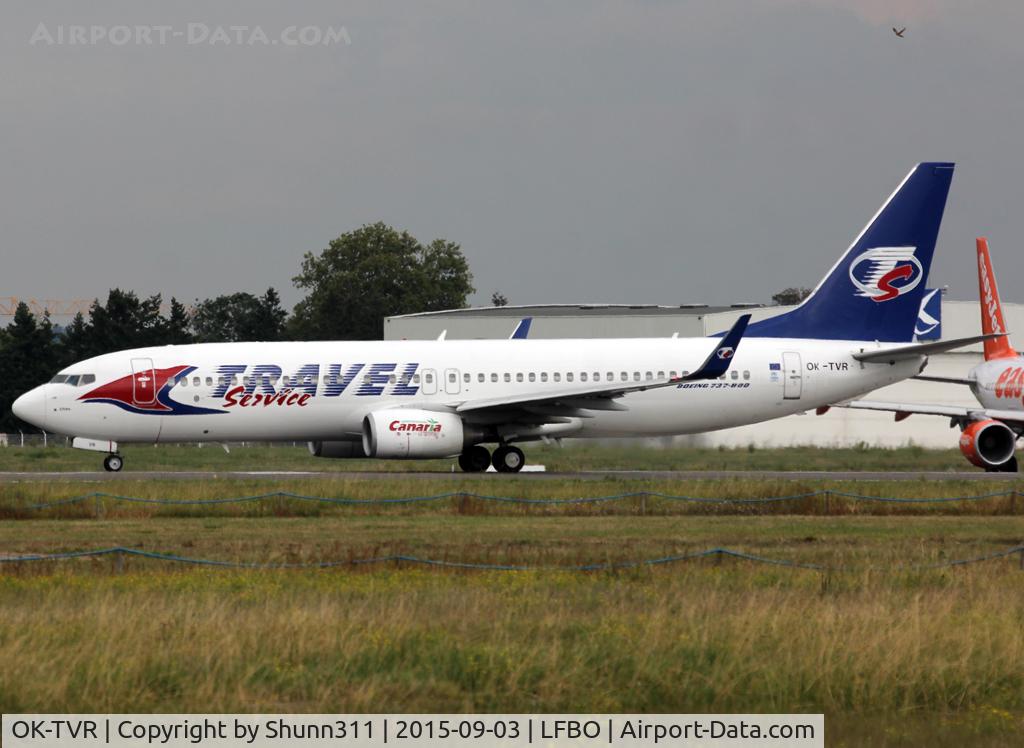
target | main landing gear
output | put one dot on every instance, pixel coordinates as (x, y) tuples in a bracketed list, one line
[(113, 463), (506, 459), (475, 459)]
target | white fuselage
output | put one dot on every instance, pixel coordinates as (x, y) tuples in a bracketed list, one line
[(999, 384), (323, 390)]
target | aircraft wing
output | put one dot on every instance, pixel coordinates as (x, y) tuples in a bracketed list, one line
[(960, 412), (569, 401)]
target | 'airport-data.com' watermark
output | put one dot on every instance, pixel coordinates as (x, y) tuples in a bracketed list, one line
[(190, 34)]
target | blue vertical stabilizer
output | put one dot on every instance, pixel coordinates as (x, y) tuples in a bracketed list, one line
[(875, 290)]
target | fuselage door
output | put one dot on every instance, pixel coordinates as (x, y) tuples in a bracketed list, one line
[(143, 381), (429, 382), (451, 381), (793, 375)]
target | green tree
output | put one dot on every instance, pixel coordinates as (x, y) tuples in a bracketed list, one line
[(177, 328), (239, 316), (125, 321), (27, 360), (371, 273), (74, 343), (790, 296)]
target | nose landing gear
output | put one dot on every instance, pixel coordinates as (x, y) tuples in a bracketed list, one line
[(113, 463)]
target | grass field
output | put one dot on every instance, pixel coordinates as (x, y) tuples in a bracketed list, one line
[(577, 456), (481, 495), (892, 657)]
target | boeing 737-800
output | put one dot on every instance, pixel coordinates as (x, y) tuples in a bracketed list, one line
[(442, 398)]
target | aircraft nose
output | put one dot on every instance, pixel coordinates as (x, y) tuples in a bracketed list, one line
[(31, 407)]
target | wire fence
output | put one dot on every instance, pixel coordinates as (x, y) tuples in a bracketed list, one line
[(399, 559), (823, 495)]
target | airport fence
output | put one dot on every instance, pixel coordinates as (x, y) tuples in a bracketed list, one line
[(717, 554), (825, 496)]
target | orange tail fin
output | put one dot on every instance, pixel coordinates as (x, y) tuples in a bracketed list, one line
[(991, 308)]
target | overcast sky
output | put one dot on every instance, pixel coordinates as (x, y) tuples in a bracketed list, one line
[(579, 151)]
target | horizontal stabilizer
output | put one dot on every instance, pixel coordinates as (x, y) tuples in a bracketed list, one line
[(958, 412), (945, 380), (905, 352)]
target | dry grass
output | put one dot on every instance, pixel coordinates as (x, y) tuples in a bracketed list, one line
[(639, 496), (900, 657), (691, 640)]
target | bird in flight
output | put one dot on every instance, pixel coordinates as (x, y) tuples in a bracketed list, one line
[(899, 32)]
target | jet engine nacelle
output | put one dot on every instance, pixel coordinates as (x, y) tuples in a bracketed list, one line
[(988, 444), (337, 450), (412, 434)]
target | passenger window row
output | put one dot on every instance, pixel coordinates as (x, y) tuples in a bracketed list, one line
[(405, 379)]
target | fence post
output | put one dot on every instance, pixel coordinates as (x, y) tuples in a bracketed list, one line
[(119, 562), (1013, 502), (643, 504), (1020, 555), (99, 506), (828, 504)]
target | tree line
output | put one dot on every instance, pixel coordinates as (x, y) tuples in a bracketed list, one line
[(361, 277)]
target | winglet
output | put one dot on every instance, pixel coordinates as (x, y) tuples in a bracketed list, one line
[(522, 330), (718, 362), (991, 308)]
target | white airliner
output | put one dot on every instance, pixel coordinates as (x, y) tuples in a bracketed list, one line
[(988, 434), (430, 399)]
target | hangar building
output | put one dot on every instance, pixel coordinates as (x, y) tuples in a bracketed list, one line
[(838, 427)]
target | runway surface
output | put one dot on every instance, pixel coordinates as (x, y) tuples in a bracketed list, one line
[(676, 475)]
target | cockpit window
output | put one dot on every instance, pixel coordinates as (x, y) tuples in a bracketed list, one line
[(75, 380)]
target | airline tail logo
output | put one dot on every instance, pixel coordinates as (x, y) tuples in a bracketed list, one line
[(885, 273), (989, 302), (929, 317), (726, 353)]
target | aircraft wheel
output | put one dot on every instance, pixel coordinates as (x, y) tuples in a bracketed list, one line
[(508, 459), (1010, 466), (476, 459), (113, 463)]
